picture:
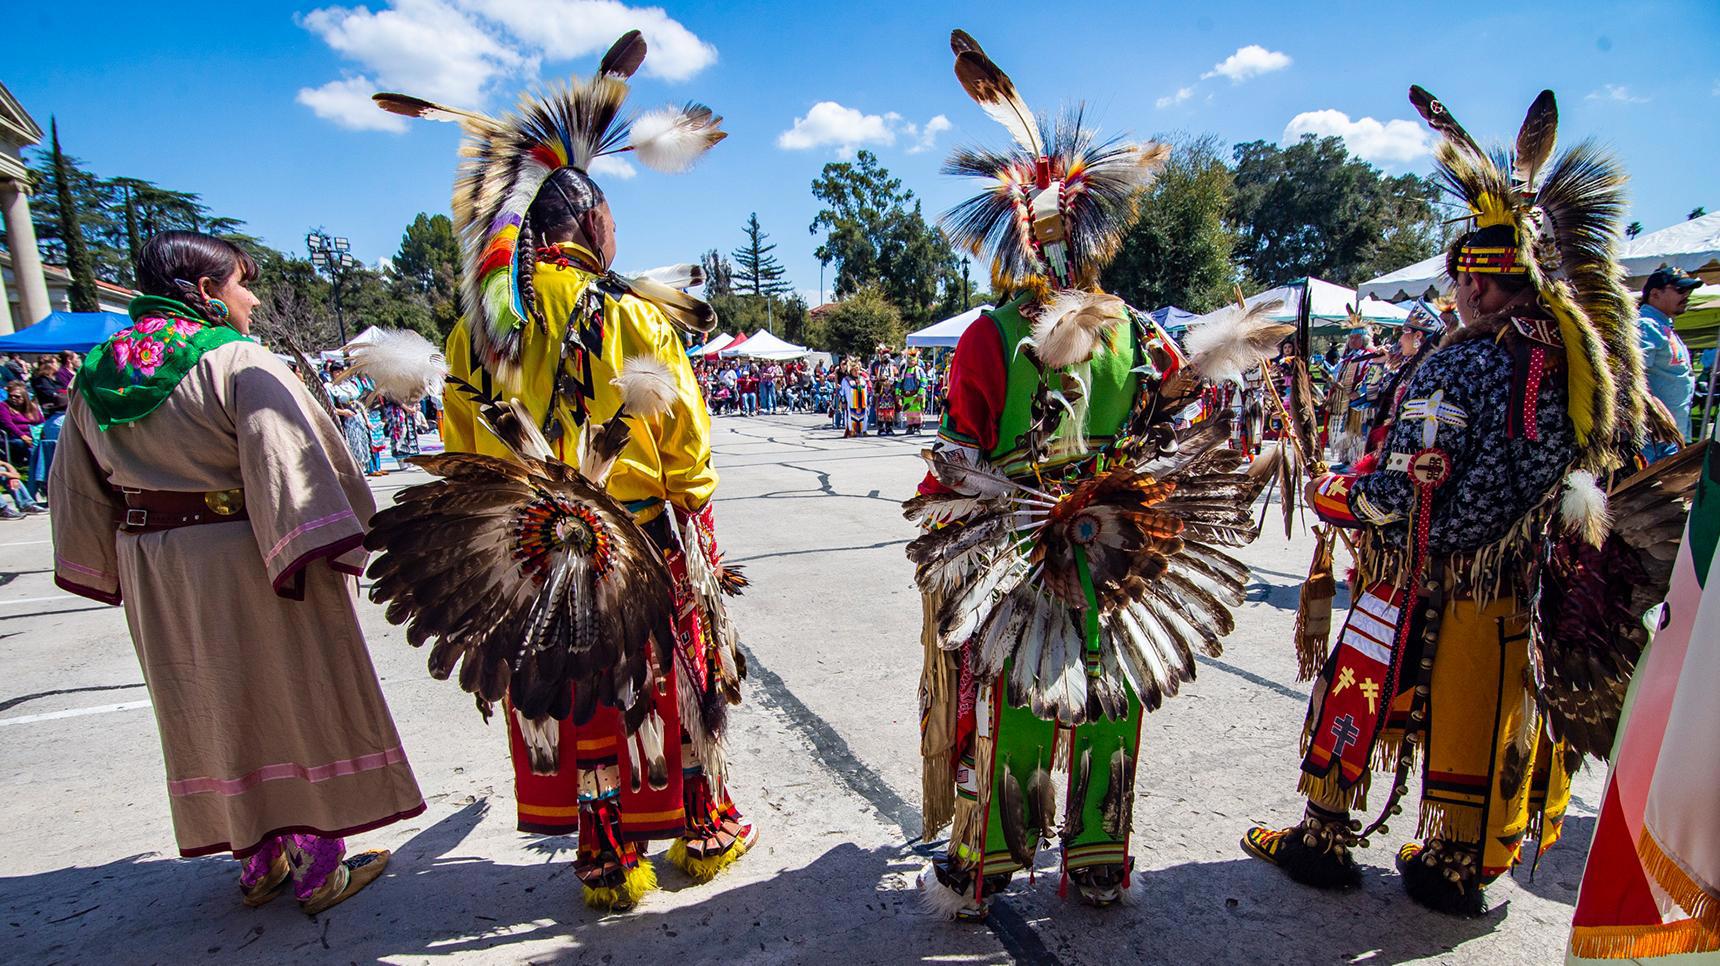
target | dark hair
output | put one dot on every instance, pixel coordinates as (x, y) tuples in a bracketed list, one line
[(172, 264), (564, 197)]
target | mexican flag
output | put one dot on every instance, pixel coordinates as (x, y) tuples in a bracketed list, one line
[(1652, 885)]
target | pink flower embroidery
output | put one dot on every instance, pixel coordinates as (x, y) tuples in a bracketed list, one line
[(187, 327), (150, 325), (121, 353), (149, 355)]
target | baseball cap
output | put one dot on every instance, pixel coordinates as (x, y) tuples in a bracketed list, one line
[(1677, 277)]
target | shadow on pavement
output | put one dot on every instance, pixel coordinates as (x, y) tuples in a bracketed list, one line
[(1243, 910), (435, 901)]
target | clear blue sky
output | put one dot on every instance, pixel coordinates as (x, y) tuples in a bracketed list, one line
[(250, 104)]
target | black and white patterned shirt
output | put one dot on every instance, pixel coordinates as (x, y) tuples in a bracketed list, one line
[(1459, 402)]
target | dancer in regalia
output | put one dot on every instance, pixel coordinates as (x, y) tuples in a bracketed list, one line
[(1071, 564), (1498, 604), (590, 603), (1351, 401)]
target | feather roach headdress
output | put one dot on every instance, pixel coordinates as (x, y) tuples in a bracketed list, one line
[(1060, 199), (508, 159), (1555, 220)]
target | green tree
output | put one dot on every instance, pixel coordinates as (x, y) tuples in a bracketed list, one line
[(757, 272), (875, 234), (858, 323), (791, 313), (1696, 213), (1310, 209), (719, 274), (1178, 252), (1633, 229), (293, 302), (82, 292), (428, 266)]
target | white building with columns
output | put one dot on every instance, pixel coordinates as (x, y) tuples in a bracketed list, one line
[(24, 289)]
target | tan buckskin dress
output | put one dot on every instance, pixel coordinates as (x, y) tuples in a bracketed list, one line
[(270, 713)]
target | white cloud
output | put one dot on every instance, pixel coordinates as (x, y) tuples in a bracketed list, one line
[(1171, 100), (566, 29), (610, 166), (1382, 143), (1250, 61), (348, 104), (1619, 94), (421, 47), (463, 52), (927, 136), (829, 124)]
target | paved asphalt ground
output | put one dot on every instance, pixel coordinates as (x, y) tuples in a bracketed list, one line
[(823, 758)]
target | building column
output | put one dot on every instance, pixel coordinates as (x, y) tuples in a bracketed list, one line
[(5, 305), (33, 303)]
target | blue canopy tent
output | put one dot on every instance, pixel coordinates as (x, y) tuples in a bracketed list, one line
[(59, 331), (1172, 319)]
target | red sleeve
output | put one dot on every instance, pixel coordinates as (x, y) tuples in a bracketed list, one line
[(978, 381)]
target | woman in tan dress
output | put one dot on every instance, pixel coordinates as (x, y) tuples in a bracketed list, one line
[(198, 485)]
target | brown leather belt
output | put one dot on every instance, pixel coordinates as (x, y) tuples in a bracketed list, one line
[(153, 510)]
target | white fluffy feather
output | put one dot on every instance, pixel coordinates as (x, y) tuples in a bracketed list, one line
[(672, 138), (403, 364), (647, 388), (1584, 508), (940, 900), (1073, 325), (683, 276), (1235, 341)]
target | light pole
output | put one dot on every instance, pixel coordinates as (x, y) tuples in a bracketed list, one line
[(965, 298), (332, 255)]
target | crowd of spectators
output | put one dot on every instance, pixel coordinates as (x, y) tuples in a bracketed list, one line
[(31, 418), (890, 391)]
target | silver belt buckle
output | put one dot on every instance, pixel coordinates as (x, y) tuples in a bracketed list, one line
[(136, 517)]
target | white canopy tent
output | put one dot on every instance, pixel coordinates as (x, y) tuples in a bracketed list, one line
[(367, 337), (947, 333), (1423, 280), (763, 345), (1328, 311), (712, 347), (1692, 245)]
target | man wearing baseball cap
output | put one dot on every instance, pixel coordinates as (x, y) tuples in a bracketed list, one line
[(1665, 359)]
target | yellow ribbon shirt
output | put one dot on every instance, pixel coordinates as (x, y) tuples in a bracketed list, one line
[(668, 457)]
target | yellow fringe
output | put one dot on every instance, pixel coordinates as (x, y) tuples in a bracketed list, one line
[(1643, 942), (938, 674), (704, 870), (1326, 793), (1459, 824), (639, 883), (1700, 904)]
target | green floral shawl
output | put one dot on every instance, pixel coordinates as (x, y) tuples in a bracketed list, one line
[(131, 374)]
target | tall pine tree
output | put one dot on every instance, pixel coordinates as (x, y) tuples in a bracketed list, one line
[(82, 291), (757, 272)]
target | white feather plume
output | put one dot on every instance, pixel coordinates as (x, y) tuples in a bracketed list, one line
[(1584, 509), (402, 364), (1074, 324), (939, 900), (1236, 341), (672, 138), (683, 276), (647, 388)]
